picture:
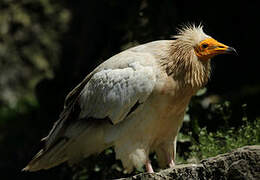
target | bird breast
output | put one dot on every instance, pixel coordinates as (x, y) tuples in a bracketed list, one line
[(159, 118), (169, 102)]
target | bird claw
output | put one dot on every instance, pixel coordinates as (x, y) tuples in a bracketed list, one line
[(171, 164), (149, 167)]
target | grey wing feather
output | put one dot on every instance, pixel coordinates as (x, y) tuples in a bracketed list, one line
[(113, 92), (109, 91)]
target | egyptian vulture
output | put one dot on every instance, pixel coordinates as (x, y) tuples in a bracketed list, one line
[(135, 102)]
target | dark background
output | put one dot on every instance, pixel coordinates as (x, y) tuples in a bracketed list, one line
[(96, 30)]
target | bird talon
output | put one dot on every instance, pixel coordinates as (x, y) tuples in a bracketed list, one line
[(149, 167), (171, 164)]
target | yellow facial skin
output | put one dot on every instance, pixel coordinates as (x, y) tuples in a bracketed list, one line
[(209, 48)]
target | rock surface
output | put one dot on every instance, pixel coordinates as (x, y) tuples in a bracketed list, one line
[(240, 164)]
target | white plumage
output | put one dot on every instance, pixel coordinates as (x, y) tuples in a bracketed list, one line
[(135, 101), (112, 92)]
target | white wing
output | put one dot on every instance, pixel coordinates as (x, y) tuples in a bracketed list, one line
[(113, 92)]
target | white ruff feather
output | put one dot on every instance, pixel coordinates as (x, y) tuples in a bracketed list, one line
[(191, 35), (183, 64)]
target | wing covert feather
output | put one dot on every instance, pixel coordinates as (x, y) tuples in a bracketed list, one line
[(113, 92)]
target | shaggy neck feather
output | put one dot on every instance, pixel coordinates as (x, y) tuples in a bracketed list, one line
[(183, 65)]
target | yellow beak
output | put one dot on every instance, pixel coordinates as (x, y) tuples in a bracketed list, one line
[(210, 47), (219, 48)]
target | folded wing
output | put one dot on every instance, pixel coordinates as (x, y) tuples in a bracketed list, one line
[(111, 92)]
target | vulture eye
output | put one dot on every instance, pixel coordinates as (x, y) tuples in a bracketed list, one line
[(204, 46)]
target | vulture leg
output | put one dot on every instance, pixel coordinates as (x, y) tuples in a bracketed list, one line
[(171, 158), (171, 163), (149, 167), (166, 154)]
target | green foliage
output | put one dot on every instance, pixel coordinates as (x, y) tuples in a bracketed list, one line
[(223, 141), (30, 32), (210, 129), (23, 106)]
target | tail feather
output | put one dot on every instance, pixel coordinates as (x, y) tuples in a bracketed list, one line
[(79, 141), (56, 143), (48, 159)]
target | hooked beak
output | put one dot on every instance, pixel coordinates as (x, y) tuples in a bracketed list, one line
[(223, 49), (231, 50), (220, 48)]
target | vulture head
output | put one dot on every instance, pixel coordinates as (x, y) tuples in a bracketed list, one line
[(191, 52)]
